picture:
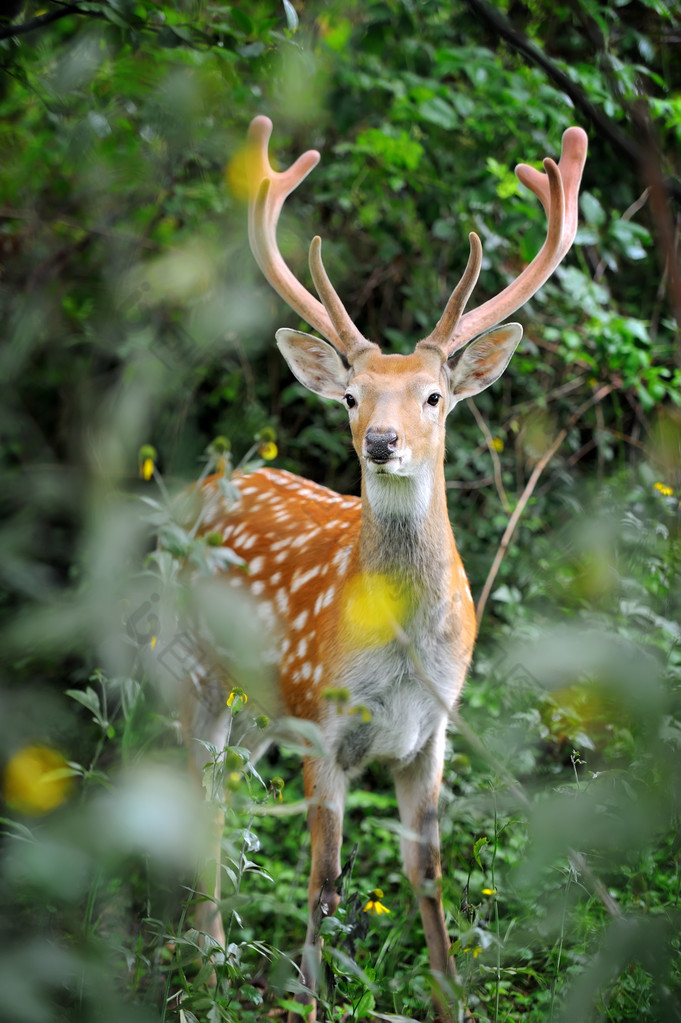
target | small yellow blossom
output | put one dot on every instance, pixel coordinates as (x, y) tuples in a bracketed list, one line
[(37, 779), (476, 950), (497, 444), (219, 449), (374, 905), (146, 460), (489, 891), (237, 699), (276, 787), (664, 489), (362, 711), (375, 608), (268, 450)]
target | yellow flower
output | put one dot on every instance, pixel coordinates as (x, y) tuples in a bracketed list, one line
[(664, 489), (37, 779), (237, 699), (276, 786), (374, 905), (363, 712), (146, 459), (497, 443), (268, 450), (489, 891), (375, 607), (219, 449)]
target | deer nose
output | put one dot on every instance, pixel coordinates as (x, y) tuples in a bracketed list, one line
[(380, 445)]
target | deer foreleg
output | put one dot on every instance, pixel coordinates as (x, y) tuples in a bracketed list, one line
[(325, 788), (417, 788)]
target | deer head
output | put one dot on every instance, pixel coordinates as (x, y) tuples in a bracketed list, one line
[(386, 394)]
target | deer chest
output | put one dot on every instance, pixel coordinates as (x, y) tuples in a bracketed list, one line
[(398, 697)]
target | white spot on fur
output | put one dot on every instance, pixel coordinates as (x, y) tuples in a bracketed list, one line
[(265, 613), (299, 622), (341, 559), (300, 578)]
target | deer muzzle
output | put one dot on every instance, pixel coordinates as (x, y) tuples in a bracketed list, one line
[(380, 445)]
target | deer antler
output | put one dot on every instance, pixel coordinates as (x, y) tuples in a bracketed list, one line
[(558, 190), (268, 192)]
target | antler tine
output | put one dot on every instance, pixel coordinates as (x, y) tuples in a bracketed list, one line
[(447, 323), (268, 190), (531, 278), (350, 340), (570, 165), (558, 190)]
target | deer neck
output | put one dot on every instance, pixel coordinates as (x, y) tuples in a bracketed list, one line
[(405, 529)]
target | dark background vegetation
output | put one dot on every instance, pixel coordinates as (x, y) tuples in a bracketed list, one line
[(133, 313)]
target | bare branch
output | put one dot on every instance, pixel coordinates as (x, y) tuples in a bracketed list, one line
[(24, 27), (489, 440), (601, 393)]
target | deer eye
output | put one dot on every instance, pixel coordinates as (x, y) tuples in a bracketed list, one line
[(434, 399), (349, 400)]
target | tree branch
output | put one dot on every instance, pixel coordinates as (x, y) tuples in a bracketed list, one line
[(601, 393), (603, 124), (21, 29), (489, 440)]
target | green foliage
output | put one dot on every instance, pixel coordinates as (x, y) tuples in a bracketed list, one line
[(133, 313)]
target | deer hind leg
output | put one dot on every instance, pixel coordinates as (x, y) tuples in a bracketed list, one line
[(417, 788), (325, 789)]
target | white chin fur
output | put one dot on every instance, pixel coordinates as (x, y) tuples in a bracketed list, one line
[(395, 495)]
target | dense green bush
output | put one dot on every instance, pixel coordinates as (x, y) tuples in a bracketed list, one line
[(134, 315)]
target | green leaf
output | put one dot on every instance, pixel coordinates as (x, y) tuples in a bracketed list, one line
[(439, 112), (476, 851), (88, 699), (592, 210), (291, 15)]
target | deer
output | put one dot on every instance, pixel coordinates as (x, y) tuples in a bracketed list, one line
[(366, 596)]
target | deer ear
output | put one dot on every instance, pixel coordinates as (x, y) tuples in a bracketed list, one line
[(482, 362), (317, 365)]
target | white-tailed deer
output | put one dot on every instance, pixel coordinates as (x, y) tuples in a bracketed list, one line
[(368, 596)]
